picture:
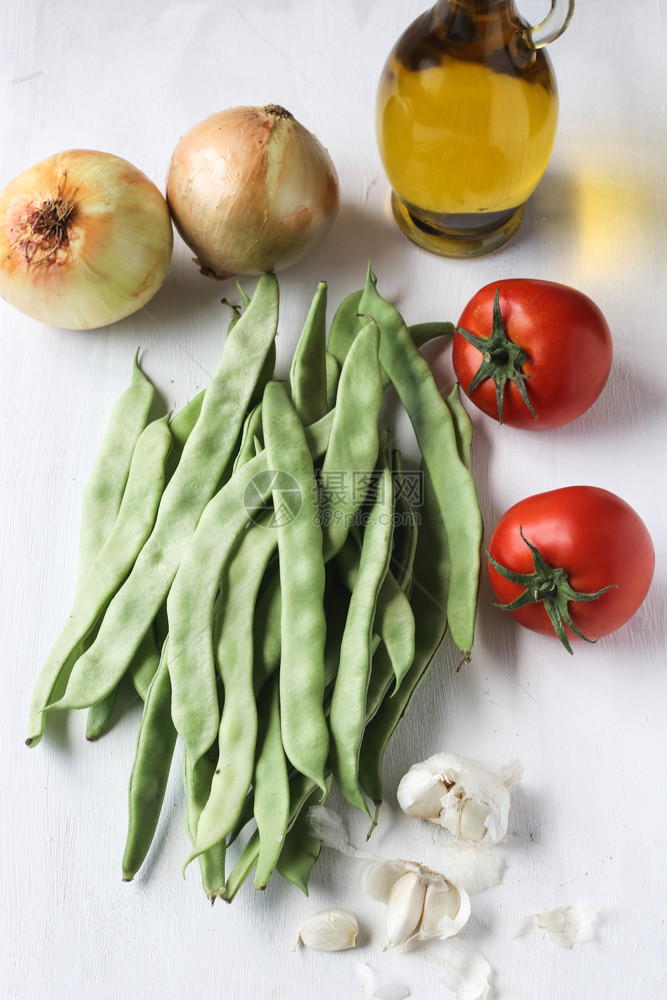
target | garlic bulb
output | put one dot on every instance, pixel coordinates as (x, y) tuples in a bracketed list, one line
[(251, 190), (461, 795), (85, 240), (334, 929)]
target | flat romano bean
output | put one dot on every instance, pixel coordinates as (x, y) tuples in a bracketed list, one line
[(271, 786), (103, 494), (245, 863), (421, 333), (302, 579), (241, 577), (308, 372), (144, 664), (429, 604), (99, 716), (300, 849), (434, 429), (191, 599), (345, 326), (332, 374), (348, 701), (205, 456), (393, 624), (354, 442), (462, 426), (251, 432), (104, 490), (266, 632), (191, 608), (302, 792), (406, 529), (132, 527), (150, 771), (197, 777)]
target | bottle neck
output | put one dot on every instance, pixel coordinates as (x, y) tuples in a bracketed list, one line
[(490, 23), (479, 8)]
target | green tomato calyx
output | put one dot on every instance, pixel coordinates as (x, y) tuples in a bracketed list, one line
[(551, 587), (502, 359)]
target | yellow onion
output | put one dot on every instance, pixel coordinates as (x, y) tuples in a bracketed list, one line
[(85, 240), (251, 190)]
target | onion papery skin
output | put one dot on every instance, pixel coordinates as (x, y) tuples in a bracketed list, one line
[(251, 190), (109, 257)]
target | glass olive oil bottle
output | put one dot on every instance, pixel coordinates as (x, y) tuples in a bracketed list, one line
[(466, 118)]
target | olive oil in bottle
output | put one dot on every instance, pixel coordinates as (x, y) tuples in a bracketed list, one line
[(466, 119)]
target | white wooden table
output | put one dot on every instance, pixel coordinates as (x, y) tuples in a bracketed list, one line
[(588, 820)]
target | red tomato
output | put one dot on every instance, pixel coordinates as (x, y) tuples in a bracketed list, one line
[(563, 347), (595, 538)]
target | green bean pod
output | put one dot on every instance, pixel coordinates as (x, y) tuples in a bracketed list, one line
[(104, 489), (197, 777), (191, 599), (308, 372), (144, 665), (345, 326), (406, 528), (332, 375), (150, 771), (250, 433), (348, 701), (103, 495), (422, 333), (434, 429), (205, 456), (429, 605), (302, 578), (99, 716), (354, 442), (271, 786), (300, 849), (462, 426), (241, 577), (132, 527)]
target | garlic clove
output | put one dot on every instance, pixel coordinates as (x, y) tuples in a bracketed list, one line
[(446, 910), (379, 877), (405, 905), (333, 929), (472, 821)]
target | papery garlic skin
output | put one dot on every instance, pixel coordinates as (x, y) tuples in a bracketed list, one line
[(85, 240), (564, 925), (251, 190), (466, 972), (461, 795), (334, 929)]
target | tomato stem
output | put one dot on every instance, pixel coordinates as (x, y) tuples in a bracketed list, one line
[(550, 586), (502, 359)]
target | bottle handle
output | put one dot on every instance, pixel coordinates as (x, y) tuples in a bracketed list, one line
[(552, 26)]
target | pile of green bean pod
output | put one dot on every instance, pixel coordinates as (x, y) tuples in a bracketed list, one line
[(271, 581)]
